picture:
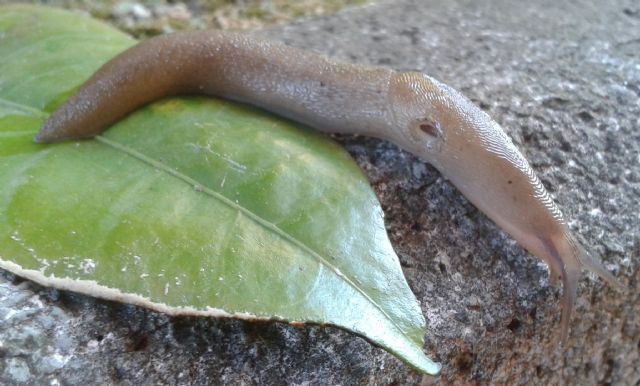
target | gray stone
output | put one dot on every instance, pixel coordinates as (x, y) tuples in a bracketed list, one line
[(17, 370), (563, 78), (131, 9), (51, 363)]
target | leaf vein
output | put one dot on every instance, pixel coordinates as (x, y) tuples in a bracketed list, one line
[(18, 107), (251, 215)]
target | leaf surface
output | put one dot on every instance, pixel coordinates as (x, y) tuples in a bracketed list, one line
[(189, 205)]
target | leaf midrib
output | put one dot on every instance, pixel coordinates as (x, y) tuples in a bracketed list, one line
[(216, 195), (251, 215)]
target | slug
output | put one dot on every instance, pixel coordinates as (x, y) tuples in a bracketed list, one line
[(413, 110)]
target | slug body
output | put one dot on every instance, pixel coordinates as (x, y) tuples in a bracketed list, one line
[(416, 112)]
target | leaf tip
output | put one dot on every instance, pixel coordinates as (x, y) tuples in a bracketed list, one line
[(431, 368)]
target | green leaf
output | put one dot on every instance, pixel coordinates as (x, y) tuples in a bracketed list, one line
[(190, 205)]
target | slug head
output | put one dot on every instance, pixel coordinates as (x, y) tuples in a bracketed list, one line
[(439, 124)]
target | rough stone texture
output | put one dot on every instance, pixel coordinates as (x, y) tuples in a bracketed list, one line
[(564, 81)]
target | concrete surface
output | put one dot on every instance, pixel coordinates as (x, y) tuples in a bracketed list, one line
[(564, 81)]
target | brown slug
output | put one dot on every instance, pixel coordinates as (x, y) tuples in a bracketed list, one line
[(416, 112)]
